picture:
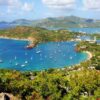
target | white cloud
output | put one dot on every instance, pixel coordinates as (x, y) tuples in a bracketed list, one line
[(91, 4), (27, 7), (61, 4), (9, 2), (14, 5), (10, 5)]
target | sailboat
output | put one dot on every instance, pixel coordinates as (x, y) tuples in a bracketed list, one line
[(16, 64), (1, 61), (38, 51), (31, 58), (71, 57), (15, 57), (23, 65), (26, 62)]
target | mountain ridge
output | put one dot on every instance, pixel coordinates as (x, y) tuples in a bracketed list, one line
[(56, 22)]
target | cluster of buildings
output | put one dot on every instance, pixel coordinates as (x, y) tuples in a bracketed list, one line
[(88, 39)]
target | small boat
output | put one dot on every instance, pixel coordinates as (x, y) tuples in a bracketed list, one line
[(26, 62), (15, 57), (31, 58), (71, 57), (75, 44), (38, 51), (23, 65), (1, 61), (16, 64)]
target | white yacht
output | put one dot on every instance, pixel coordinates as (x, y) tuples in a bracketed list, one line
[(71, 57), (16, 64), (26, 62), (38, 51), (1, 61), (23, 65), (15, 57), (31, 58)]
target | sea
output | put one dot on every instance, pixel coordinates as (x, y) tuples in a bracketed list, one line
[(14, 55)]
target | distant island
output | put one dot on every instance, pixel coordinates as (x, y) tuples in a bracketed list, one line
[(54, 23)]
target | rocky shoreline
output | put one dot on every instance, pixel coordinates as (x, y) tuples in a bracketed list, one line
[(32, 44)]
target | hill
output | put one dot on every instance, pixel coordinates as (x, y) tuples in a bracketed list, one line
[(54, 23)]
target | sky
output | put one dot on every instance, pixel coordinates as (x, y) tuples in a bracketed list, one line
[(38, 9)]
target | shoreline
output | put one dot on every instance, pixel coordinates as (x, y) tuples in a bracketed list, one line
[(21, 39), (24, 39), (89, 54)]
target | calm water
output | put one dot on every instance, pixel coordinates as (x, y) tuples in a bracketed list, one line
[(44, 56), (87, 30)]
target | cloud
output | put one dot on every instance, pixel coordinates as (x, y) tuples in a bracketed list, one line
[(9, 2), (14, 5), (60, 4), (91, 4), (10, 5), (27, 7)]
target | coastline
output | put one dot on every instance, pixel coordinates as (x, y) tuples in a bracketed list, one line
[(89, 54), (22, 39)]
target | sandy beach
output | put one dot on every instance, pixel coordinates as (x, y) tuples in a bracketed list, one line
[(89, 54)]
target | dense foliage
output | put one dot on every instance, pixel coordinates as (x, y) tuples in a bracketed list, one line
[(80, 82), (39, 34), (94, 48), (52, 84)]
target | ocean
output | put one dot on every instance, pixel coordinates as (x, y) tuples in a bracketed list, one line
[(14, 55)]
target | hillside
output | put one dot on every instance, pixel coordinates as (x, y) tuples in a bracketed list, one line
[(51, 23), (39, 34)]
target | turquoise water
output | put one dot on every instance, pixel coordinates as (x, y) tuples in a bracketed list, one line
[(87, 30), (13, 55)]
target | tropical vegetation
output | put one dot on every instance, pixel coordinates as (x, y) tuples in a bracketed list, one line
[(79, 82)]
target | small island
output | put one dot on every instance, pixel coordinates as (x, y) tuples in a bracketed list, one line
[(32, 43)]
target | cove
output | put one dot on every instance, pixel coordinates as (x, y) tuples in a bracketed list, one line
[(13, 55)]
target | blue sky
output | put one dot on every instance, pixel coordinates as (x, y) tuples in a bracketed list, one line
[(38, 9)]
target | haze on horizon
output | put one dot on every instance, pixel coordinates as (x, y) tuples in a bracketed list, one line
[(38, 9)]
